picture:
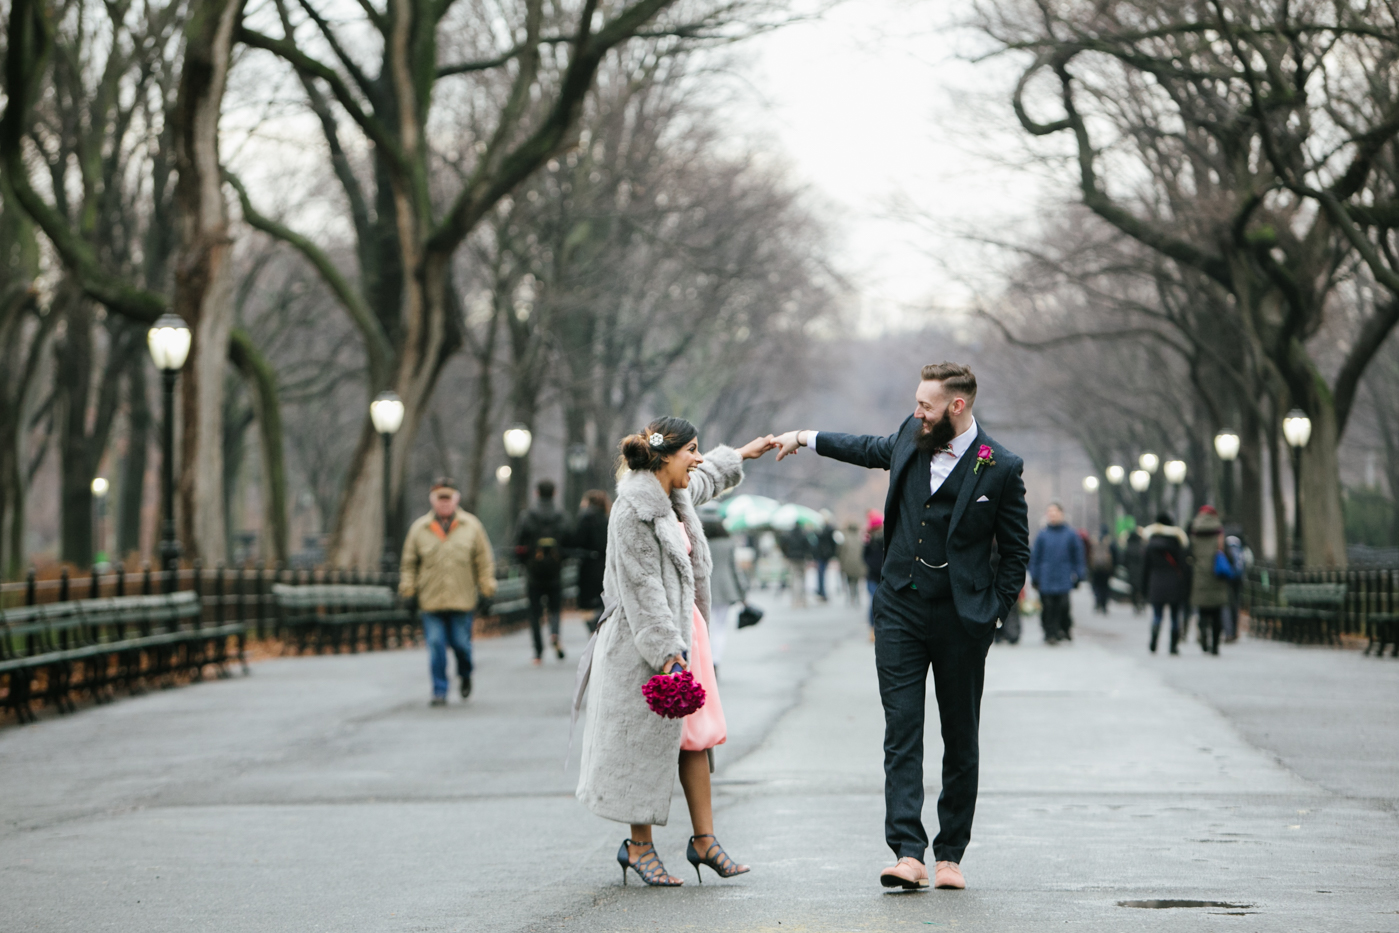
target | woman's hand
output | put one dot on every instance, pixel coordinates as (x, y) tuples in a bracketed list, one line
[(757, 447), (673, 660)]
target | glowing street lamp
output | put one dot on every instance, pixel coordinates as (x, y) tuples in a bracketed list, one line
[(517, 441), (1226, 445), (1149, 462), (1090, 484), (169, 342), (1140, 480), (386, 413), (100, 488), (1297, 430), (502, 474), (1115, 474)]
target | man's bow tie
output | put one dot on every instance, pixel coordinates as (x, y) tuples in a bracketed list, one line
[(944, 450)]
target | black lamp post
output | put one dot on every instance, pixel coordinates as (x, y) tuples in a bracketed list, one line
[(1140, 481), (1226, 445), (99, 495), (1115, 474), (169, 342), (386, 412), (1297, 430), (517, 440)]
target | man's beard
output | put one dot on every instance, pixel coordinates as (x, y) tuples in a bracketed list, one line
[(935, 436)]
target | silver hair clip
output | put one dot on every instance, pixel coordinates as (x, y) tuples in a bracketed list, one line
[(656, 440)]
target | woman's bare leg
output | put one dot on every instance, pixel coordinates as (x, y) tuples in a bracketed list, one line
[(694, 778)]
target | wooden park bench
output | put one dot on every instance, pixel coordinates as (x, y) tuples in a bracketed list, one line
[(1306, 612), (92, 645), (336, 616)]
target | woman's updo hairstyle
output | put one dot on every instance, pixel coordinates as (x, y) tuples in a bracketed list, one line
[(661, 438)]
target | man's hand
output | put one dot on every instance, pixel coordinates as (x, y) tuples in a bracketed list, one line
[(757, 447), (788, 444)]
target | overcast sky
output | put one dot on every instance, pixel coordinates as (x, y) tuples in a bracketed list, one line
[(876, 109)]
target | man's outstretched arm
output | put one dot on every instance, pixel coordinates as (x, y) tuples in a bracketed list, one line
[(1012, 538), (866, 450)]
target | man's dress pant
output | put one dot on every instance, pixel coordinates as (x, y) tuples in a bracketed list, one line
[(912, 634)]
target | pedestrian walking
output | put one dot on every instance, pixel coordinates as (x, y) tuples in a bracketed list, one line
[(1209, 589), (1134, 560), (874, 557), (1241, 557), (540, 535), (1101, 565), (448, 570), (852, 560), (1056, 569), (727, 588), (658, 579), (952, 491), (589, 544), (1164, 567), (824, 551), (796, 545)]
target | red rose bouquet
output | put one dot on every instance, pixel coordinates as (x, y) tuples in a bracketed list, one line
[(673, 696)]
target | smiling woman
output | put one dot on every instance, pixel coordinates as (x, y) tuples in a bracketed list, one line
[(656, 589)]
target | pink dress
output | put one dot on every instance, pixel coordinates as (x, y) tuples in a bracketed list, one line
[(705, 727)]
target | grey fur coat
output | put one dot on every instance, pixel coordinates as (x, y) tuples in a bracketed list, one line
[(630, 754)]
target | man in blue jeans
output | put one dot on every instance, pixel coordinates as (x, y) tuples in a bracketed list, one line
[(448, 568)]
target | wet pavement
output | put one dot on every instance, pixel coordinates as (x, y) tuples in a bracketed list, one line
[(1120, 790)]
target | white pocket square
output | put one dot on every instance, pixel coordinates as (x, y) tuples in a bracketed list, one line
[(983, 499)]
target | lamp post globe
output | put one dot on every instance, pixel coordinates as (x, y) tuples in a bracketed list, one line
[(1090, 484), (386, 414), (168, 341), (1174, 471), (502, 474), (517, 441), (1140, 480), (1149, 462), (1297, 430), (1115, 474)]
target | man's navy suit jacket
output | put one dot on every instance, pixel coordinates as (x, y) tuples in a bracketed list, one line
[(982, 596)]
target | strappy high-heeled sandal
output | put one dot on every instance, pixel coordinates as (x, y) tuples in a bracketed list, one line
[(647, 866), (715, 857)]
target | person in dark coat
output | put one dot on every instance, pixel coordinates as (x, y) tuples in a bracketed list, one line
[(825, 549), (797, 546), (1057, 566), (1102, 561), (540, 536), (1165, 564), (874, 557), (589, 544)]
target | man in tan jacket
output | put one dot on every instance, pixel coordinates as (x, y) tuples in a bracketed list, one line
[(447, 566)]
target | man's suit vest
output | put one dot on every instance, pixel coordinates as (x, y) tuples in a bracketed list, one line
[(917, 553)]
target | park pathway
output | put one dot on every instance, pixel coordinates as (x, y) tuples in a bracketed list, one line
[(323, 794)]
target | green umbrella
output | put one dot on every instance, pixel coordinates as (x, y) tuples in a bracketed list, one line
[(790, 515), (749, 513)]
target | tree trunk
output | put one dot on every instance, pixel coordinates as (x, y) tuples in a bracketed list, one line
[(1248, 491), (262, 383), (73, 364), (204, 280), (131, 485), (1282, 533), (1323, 520)]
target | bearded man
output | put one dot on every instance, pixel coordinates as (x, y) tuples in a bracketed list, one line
[(953, 492)]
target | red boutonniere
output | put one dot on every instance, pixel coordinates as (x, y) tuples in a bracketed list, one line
[(985, 456)]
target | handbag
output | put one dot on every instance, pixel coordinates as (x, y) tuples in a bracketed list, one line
[(749, 616), (1224, 567)]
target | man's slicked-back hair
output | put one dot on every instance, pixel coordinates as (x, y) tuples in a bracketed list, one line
[(956, 379)]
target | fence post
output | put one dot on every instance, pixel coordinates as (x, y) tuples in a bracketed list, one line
[(121, 578), (63, 586), (198, 566), (31, 589), (94, 588), (145, 578), (259, 584), (218, 593)]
